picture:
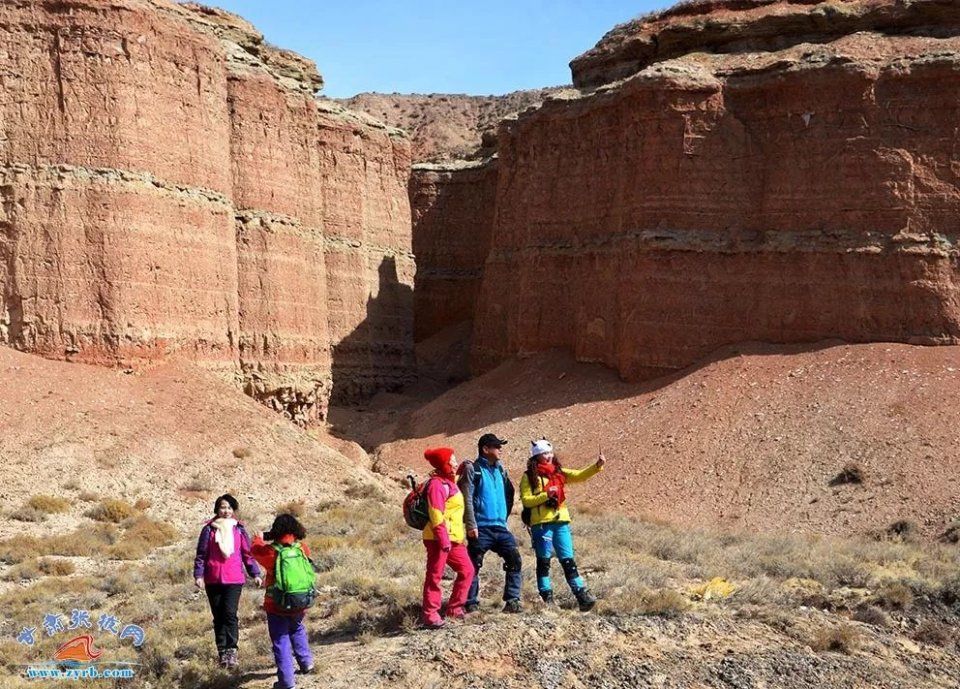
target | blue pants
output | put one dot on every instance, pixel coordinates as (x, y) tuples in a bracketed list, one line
[(555, 539), (501, 541)]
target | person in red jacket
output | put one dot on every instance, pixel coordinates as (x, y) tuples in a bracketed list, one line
[(444, 538), (287, 631)]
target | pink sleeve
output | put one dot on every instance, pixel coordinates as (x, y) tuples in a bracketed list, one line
[(437, 493)]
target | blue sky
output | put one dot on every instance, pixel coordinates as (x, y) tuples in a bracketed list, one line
[(435, 46)]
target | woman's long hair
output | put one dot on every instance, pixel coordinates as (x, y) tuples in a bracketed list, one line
[(532, 475)]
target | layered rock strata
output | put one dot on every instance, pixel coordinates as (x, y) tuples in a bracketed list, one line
[(452, 207), (170, 185), (790, 195)]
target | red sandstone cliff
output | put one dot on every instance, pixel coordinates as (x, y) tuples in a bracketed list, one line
[(170, 184), (453, 213), (784, 190)]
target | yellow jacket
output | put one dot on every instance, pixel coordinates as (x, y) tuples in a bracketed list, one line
[(445, 507), (539, 512)]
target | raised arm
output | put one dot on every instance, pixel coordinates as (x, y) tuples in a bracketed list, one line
[(578, 475)]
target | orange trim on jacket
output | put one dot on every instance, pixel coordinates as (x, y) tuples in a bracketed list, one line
[(264, 553)]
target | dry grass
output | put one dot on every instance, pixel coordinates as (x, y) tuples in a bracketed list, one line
[(141, 537), (840, 638), (26, 513), (56, 567), (48, 504), (242, 452), (872, 615), (112, 510), (86, 541), (87, 496), (297, 508)]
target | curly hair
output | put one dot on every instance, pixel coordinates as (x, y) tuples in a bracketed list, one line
[(283, 525)]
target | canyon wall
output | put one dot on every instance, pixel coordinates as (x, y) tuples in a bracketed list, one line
[(452, 208), (171, 186), (780, 194)]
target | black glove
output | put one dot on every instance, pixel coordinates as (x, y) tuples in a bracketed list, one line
[(552, 503)]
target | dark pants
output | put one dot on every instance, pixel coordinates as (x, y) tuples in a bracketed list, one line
[(501, 541), (224, 599), (289, 637)]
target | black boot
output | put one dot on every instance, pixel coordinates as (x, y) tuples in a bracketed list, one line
[(585, 599), (547, 597)]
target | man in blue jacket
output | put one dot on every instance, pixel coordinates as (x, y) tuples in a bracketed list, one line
[(488, 500)]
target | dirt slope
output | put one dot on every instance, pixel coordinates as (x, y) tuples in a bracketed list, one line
[(170, 435), (444, 125), (751, 439)]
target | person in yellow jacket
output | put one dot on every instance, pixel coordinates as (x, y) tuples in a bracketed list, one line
[(444, 539), (542, 492)]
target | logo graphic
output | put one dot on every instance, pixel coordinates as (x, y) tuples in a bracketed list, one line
[(79, 657)]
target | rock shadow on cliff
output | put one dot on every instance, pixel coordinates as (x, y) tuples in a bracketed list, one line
[(378, 354)]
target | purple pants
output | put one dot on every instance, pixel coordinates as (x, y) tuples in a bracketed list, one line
[(289, 637)]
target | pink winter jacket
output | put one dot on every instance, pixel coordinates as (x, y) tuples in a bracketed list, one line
[(217, 569)]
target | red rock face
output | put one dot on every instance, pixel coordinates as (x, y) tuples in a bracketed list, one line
[(790, 196), (166, 181), (453, 215), (117, 241)]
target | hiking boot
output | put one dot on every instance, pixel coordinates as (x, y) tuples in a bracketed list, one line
[(278, 685), (512, 605), (230, 655), (547, 597), (432, 624), (307, 670), (471, 608), (585, 599), (458, 615), (222, 659)]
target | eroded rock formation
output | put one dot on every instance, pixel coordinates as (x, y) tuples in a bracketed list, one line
[(445, 126), (785, 188), (171, 185), (452, 207)]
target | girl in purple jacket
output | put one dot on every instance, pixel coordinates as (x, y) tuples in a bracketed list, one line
[(223, 551)]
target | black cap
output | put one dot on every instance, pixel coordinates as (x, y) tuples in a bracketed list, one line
[(490, 440)]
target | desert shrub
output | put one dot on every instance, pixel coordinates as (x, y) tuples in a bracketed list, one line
[(658, 602), (952, 533), (894, 596), (142, 504), (297, 508), (141, 537), (87, 496), (934, 633), (25, 571), (48, 504), (903, 530), (242, 452), (28, 514), (840, 638), (872, 615), (111, 510), (362, 490), (851, 473), (56, 567)]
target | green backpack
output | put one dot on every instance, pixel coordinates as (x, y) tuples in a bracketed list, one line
[(293, 578)]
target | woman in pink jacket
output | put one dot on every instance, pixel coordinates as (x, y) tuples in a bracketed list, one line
[(223, 550), (444, 539)]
